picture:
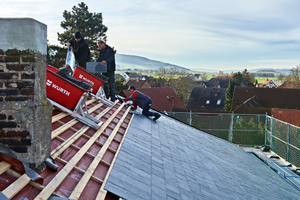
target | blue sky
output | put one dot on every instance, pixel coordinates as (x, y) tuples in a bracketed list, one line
[(196, 34)]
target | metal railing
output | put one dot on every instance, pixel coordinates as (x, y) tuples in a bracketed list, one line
[(249, 129), (284, 139)]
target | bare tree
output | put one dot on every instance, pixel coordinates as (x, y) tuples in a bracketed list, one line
[(280, 77), (294, 77)]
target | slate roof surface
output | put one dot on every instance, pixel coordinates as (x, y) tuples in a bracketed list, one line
[(269, 97), (221, 82), (170, 160), (200, 96), (252, 106)]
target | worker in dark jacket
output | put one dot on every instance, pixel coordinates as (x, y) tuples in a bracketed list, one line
[(143, 101), (107, 56), (80, 49)]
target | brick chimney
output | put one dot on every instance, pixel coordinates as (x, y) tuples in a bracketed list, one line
[(25, 112)]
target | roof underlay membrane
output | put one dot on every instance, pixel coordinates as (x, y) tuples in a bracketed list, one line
[(84, 157)]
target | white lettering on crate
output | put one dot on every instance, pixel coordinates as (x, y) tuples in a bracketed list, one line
[(60, 89), (85, 79), (49, 82)]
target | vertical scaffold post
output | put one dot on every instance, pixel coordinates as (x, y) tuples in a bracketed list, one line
[(288, 144), (266, 127), (190, 118), (271, 138), (230, 135)]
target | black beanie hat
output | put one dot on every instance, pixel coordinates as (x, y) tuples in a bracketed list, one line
[(131, 87), (77, 35)]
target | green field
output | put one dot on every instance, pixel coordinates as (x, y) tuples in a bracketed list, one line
[(209, 76), (263, 79)]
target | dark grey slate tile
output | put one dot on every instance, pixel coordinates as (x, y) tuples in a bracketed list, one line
[(134, 162), (121, 192), (170, 198), (158, 193), (185, 194), (175, 161), (182, 184), (158, 181), (157, 171), (172, 194)]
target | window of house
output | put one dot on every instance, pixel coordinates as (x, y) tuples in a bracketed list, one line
[(219, 102), (207, 101)]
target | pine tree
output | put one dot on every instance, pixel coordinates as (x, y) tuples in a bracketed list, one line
[(90, 25), (236, 79), (229, 95)]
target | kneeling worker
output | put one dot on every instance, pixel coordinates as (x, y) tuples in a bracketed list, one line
[(142, 101)]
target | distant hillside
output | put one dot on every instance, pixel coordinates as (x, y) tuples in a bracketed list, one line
[(284, 71), (125, 62)]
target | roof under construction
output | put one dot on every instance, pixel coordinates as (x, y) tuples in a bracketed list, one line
[(134, 157)]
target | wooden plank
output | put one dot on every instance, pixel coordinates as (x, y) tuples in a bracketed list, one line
[(4, 166), (61, 175), (102, 193), (63, 128), (32, 183), (95, 108), (59, 116), (62, 147), (16, 186), (70, 124), (77, 148), (86, 177), (88, 137), (80, 170), (63, 114), (91, 101)]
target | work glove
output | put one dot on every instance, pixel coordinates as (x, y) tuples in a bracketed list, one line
[(121, 99), (128, 103), (133, 108)]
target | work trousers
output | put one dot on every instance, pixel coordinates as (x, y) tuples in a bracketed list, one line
[(110, 89), (147, 107)]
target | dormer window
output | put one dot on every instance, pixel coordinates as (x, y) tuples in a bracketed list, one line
[(207, 101), (219, 102)]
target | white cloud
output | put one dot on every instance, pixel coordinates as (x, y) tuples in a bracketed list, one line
[(191, 33)]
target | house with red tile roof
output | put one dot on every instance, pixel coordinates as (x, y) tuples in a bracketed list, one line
[(139, 83), (290, 116), (164, 98), (289, 84), (267, 84)]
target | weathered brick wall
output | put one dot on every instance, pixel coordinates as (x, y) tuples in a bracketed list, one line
[(287, 115), (17, 85), (16, 75), (25, 112)]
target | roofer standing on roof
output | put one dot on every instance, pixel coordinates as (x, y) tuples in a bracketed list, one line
[(107, 55), (143, 101), (80, 49)]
